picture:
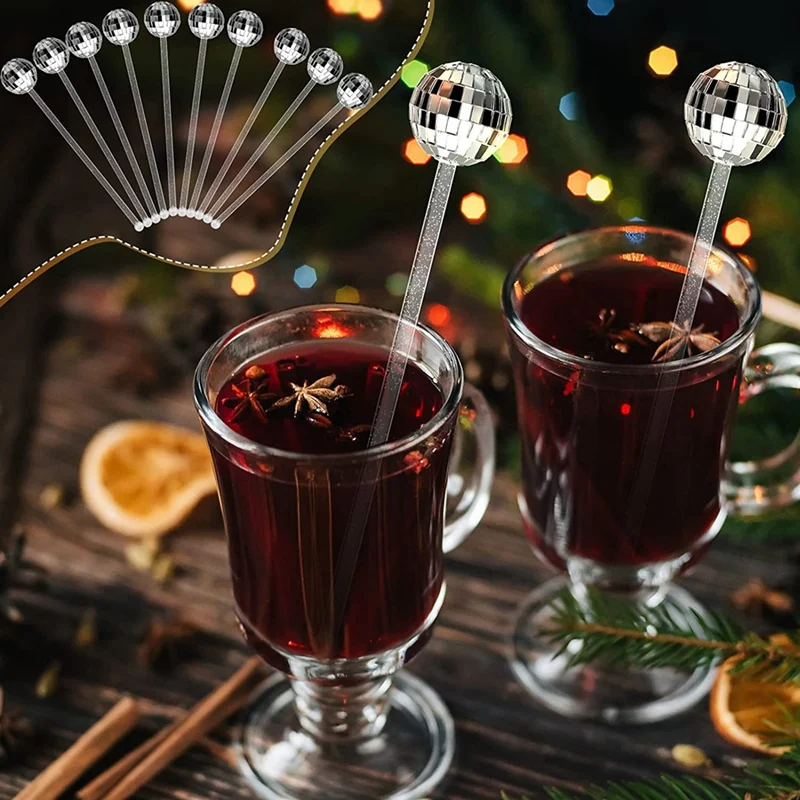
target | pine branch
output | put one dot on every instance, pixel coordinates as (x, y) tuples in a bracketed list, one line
[(777, 779), (618, 632)]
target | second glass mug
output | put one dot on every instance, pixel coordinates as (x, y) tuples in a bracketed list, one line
[(344, 725), (584, 428)]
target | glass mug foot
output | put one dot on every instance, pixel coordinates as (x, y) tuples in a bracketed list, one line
[(410, 756), (620, 696)]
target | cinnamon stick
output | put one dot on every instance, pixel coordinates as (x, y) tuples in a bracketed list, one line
[(202, 719), (97, 741)]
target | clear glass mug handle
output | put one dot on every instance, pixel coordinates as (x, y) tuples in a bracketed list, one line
[(754, 487), (472, 469)]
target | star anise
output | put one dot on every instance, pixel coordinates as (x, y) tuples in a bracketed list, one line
[(673, 339), (314, 398), (250, 396), (620, 340)]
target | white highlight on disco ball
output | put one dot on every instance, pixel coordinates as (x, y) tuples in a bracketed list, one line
[(19, 76), (120, 27), (292, 46), (162, 20), (355, 91), (207, 21), (325, 66), (460, 114), (245, 29), (735, 114), (51, 56), (84, 40)]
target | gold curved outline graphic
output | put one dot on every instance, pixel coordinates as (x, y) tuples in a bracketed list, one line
[(287, 222)]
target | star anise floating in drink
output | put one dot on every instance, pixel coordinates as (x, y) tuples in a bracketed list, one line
[(314, 397), (251, 396), (673, 340), (620, 339)]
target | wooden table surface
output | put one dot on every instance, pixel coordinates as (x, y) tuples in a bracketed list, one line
[(505, 741)]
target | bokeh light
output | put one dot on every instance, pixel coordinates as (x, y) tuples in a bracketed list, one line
[(600, 8), (569, 106), (305, 277), (474, 208), (414, 154), (599, 188), (439, 315), (662, 61), (188, 5), (370, 9), (414, 72), (348, 294), (737, 232), (243, 284), (578, 181), (788, 91), (514, 151), (344, 6), (397, 283)]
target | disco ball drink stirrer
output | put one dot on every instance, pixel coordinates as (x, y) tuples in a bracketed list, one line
[(735, 115), (461, 115)]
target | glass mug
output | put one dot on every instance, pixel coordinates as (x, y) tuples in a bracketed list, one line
[(344, 725), (584, 427)]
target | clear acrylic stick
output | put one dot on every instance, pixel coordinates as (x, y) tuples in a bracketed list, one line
[(193, 120), (262, 148), (172, 188), (212, 139), (124, 140), (103, 144), (145, 129), (278, 165), (245, 132), (90, 165)]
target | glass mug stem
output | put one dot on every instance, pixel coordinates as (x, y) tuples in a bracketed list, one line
[(757, 486)]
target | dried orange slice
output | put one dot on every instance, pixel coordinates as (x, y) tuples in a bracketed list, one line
[(145, 478), (742, 708)]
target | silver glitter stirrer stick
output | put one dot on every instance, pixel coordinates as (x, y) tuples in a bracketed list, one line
[(461, 115), (19, 76), (354, 92), (736, 115), (245, 29), (206, 22), (51, 56), (291, 47), (325, 67)]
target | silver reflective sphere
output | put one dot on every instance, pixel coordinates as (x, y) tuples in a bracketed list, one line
[(245, 29), (735, 114), (84, 40), (460, 114), (120, 27), (51, 56), (162, 20), (292, 46), (355, 91), (325, 66), (19, 76), (207, 21)]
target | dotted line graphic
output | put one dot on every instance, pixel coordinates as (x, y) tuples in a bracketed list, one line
[(332, 136)]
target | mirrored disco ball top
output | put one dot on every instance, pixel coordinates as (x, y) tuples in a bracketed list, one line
[(325, 66), (207, 21), (51, 56), (292, 46), (735, 114), (460, 114), (245, 29), (120, 27), (19, 76), (84, 40), (162, 20), (355, 91)]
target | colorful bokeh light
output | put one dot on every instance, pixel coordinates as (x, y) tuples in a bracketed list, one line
[(370, 9), (737, 232), (600, 8), (578, 181), (662, 61), (344, 6), (439, 315), (188, 5), (397, 283), (305, 277), (514, 151), (414, 154), (243, 284), (569, 106), (474, 208), (788, 91), (348, 294), (414, 72), (599, 188)]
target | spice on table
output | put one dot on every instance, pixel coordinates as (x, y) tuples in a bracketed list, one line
[(687, 755), (48, 681), (86, 632), (755, 597), (143, 554), (165, 641), (52, 497), (164, 567)]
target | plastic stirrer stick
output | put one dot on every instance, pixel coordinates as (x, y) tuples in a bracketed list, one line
[(445, 129), (172, 190), (735, 115)]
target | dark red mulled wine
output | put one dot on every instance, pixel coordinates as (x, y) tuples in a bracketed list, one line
[(286, 520), (584, 428)]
